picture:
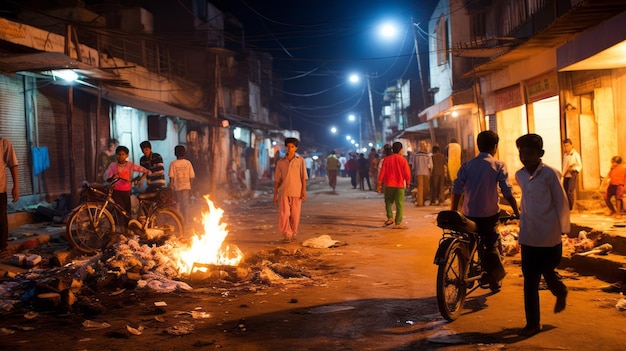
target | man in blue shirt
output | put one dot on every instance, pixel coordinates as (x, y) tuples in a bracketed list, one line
[(478, 180)]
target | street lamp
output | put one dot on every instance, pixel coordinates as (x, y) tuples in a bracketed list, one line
[(352, 118), (355, 78)]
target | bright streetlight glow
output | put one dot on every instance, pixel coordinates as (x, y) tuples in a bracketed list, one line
[(348, 137), (354, 78), (388, 30), (333, 130), (352, 118)]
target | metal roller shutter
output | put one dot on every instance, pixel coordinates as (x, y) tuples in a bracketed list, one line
[(13, 127), (52, 124)]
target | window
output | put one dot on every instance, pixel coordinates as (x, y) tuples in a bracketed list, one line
[(478, 24)]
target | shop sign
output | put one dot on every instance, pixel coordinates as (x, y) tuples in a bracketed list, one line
[(541, 87), (508, 98)]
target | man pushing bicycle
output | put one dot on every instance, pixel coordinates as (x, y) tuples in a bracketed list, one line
[(478, 180)]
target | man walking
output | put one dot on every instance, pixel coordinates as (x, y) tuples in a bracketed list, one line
[(572, 165), (422, 167), (332, 168), (395, 175)]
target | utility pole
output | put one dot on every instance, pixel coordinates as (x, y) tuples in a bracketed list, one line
[(419, 65), (70, 123), (360, 133), (369, 91)]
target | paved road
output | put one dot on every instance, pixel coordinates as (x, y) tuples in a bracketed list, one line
[(374, 292)]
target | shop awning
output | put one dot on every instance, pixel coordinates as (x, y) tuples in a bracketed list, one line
[(40, 62), (154, 106), (416, 130)]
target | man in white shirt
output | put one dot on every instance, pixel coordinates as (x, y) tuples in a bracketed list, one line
[(572, 165)]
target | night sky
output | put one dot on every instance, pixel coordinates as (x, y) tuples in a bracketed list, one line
[(316, 45)]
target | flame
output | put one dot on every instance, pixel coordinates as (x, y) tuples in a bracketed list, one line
[(208, 247)]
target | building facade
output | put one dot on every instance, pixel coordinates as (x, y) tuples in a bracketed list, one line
[(132, 84)]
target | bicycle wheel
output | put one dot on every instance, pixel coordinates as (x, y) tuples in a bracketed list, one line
[(167, 220), (84, 233), (451, 287)]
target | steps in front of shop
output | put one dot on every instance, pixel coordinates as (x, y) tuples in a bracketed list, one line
[(609, 267)]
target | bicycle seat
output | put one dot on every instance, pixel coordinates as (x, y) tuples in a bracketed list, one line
[(456, 221), (162, 195)]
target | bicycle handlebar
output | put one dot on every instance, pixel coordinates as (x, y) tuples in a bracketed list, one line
[(116, 179)]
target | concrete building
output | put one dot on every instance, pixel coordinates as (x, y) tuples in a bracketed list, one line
[(548, 67), (132, 82)]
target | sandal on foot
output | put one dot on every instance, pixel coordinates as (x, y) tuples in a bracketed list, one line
[(388, 222)]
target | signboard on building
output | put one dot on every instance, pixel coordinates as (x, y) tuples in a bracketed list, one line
[(541, 87), (508, 97)]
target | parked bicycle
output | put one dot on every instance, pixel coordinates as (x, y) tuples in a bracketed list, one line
[(458, 256), (92, 224)]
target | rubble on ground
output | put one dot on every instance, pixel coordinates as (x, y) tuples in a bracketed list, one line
[(509, 235), (583, 242), (79, 284)]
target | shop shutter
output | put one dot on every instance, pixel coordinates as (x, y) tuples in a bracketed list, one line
[(52, 103), (13, 127)]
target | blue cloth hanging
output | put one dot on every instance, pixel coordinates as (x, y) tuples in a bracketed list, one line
[(41, 159)]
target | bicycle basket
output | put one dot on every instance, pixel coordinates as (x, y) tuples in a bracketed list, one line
[(94, 192), (454, 220), (165, 195)]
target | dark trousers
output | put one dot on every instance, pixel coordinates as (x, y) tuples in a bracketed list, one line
[(352, 175), (436, 189), (489, 251), (4, 222), (569, 184), (122, 198), (538, 261), (363, 176)]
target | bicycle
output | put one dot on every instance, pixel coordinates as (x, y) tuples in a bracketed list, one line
[(458, 256), (92, 224)]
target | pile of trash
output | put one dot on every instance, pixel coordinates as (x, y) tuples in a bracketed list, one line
[(130, 265), (584, 242), (509, 235)]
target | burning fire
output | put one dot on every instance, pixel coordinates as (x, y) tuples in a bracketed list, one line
[(208, 248)]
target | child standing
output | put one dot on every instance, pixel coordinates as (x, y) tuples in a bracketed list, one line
[(123, 169), (154, 162), (181, 179), (290, 190), (544, 218)]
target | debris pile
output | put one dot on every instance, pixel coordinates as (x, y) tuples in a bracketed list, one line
[(79, 286), (509, 235), (584, 242)]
